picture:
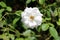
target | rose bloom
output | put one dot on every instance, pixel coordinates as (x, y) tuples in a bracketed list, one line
[(31, 17)]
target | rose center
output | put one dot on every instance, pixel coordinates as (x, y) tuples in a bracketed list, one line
[(32, 17)]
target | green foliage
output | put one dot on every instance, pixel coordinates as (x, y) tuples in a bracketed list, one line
[(55, 12), (58, 22), (33, 0), (18, 13), (11, 36), (3, 4), (45, 26), (28, 1), (30, 38), (53, 33), (12, 27), (28, 33), (15, 21), (41, 1), (19, 39), (8, 9), (1, 10)]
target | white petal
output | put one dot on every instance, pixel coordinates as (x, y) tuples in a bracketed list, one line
[(22, 14), (38, 20), (28, 10), (36, 12), (32, 24), (24, 18), (26, 22)]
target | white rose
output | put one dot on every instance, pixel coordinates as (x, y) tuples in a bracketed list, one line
[(31, 17)]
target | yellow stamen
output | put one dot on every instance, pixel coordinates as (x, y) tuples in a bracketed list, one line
[(32, 17)]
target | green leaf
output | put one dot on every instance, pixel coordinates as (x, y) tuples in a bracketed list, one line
[(55, 12), (8, 8), (3, 4), (0, 19), (48, 13), (4, 37), (39, 29), (1, 24), (59, 37), (47, 18), (41, 1), (12, 27), (51, 25), (30, 38), (33, 0), (56, 39), (58, 22), (53, 32), (43, 20), (28, 33), (58, 1), (18, 13), (1, 10), (28, 1), (11, 36), (15, 21), (4, 22), (19, 39), (45, 27), (17, 33)]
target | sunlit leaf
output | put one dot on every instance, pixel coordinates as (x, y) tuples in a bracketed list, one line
[(3, 4), (28, 33), (18, 13), (47, 18), (19, 39), (43, 20), (8, 8), (30, 38), (11, 36), (51, 25), (15, 21), (4, 37), (17, 33), (45, 27), (33, 0), (28, 1), (55, 12), (41, 1), (58, 22), (53, 32), (1, 24)]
